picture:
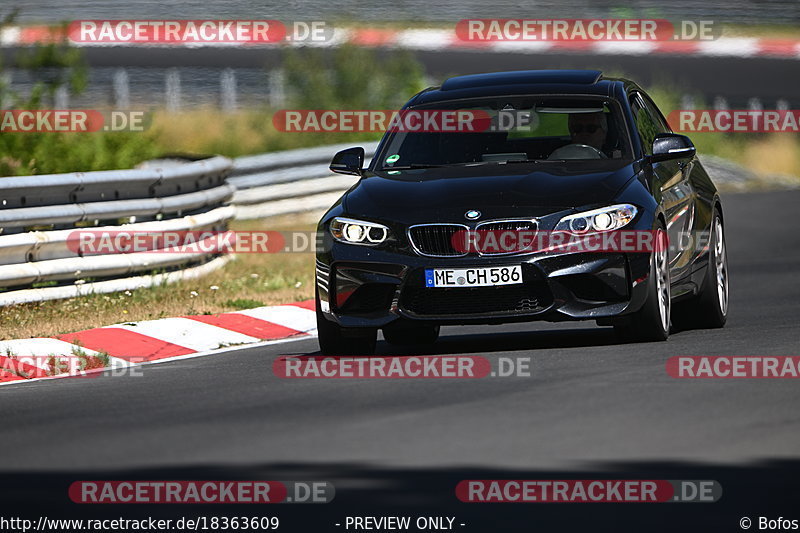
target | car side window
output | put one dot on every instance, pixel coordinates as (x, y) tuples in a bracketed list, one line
[(655, 114), (647, 126)]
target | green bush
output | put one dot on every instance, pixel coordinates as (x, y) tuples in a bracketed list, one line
[(350, 77), (52, 66)]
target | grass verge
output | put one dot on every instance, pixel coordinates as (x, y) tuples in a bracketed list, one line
[(251, 280)]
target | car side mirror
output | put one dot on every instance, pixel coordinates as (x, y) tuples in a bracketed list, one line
[(668, 146), (350, 161)]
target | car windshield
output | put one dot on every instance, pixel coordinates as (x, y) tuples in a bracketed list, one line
[(514, 130)]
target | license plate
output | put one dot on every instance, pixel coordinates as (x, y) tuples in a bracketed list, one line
[(473, 277)]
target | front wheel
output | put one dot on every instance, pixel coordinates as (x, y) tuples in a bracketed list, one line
[(652, 321)]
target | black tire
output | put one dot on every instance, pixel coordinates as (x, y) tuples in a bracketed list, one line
[(652, 322), (336, 340), (709, 309), (411, 335)]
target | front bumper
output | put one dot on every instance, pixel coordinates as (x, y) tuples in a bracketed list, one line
[(367, 287)]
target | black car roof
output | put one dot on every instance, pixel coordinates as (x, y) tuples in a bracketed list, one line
[(520, 82)]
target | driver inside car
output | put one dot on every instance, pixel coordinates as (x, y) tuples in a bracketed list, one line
[(589, 129), (588, 132)]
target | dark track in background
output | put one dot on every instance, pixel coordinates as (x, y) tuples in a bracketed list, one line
[(735, 79)]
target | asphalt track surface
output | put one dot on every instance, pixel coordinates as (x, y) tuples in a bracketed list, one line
[(592, 408)]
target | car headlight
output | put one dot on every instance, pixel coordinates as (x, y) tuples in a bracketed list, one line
[(358, 231), (603, 219)]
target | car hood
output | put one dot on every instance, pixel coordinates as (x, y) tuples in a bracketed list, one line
[(441, 193)]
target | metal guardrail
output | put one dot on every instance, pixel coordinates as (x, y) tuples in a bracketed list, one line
[(38, 215), (84, 196), (289, 182)]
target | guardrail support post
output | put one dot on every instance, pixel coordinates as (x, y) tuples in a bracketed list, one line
[(122, 95), (61, 98), (277, 90), (173, 90), (227, 85)]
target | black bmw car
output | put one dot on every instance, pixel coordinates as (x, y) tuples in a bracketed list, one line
[(561, 152)]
